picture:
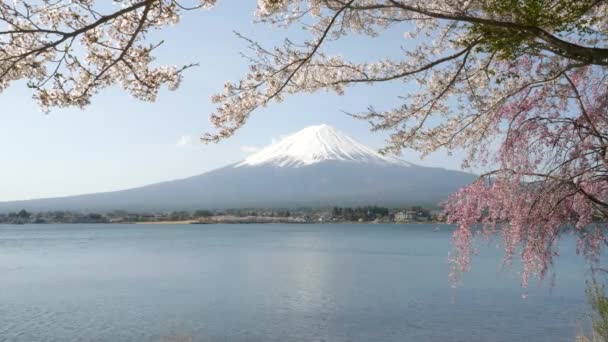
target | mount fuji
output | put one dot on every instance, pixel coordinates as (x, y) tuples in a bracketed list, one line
[(316, 144), (317, 166)]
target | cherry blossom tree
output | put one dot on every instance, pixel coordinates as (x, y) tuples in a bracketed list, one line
[(521, 85), (67, 50)]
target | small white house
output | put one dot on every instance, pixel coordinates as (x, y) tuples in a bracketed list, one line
[(405, 216)]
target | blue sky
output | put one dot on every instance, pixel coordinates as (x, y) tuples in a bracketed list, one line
[(119, 142)]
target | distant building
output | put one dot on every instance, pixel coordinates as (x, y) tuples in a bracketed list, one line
[(400, 216), (438, 215), (406, 216)]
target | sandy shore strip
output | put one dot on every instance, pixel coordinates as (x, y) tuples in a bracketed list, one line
[(169, 222)]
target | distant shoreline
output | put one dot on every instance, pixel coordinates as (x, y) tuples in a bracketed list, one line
[(283, 222), (160, 222), (370, 214), (195, 222)]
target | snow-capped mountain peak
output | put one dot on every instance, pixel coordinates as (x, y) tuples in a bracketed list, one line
[(315, 144)]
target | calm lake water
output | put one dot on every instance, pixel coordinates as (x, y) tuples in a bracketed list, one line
[(270, 283)]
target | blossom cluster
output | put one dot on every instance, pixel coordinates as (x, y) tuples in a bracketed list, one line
[(70, 49)]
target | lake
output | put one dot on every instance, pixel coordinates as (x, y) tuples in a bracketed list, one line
[(343, 282)]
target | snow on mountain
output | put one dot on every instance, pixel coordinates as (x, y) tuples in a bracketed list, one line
[(315, 144)]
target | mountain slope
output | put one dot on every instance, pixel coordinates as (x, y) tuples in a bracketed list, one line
[(317, 166)]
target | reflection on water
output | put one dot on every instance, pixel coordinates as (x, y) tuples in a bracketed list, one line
[(269, 283)]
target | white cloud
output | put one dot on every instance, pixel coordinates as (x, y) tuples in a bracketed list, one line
[(250, 148), (184, 140)]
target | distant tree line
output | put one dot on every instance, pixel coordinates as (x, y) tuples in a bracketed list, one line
[(366, 214), (24, 216), (335, 214), (381, 214)]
